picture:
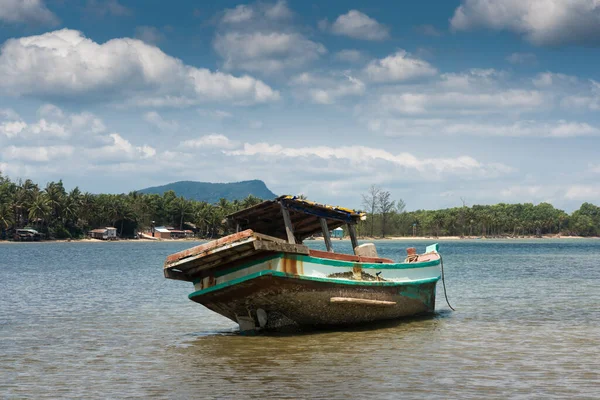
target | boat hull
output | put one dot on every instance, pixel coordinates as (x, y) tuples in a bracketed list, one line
[(275, 300)]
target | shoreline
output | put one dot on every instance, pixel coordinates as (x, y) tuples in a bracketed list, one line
[(320, 239)]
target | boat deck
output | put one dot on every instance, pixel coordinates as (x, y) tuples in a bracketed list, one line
[(188, 264)]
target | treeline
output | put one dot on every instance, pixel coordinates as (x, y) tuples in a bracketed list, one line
[(59, 214), (388, 218)]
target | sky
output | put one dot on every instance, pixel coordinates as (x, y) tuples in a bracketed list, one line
[(442, 103)]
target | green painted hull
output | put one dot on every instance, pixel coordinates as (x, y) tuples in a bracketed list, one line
[(295, 302)]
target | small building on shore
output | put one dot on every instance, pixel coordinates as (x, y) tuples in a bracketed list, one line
[(108, 233), (162, 232), (337, 233)]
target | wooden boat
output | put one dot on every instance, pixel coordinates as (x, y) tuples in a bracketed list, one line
[(264, 278)]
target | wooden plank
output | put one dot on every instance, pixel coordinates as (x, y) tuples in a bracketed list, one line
[(208, 246), (325, 230), (289, 229), (353, 238), (213, 251), (267, 237), (366, 302), (230, 258), (281, 247)]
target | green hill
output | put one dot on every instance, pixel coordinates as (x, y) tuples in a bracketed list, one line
[(212, 192)]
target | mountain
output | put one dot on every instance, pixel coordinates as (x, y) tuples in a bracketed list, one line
[(212, 192)]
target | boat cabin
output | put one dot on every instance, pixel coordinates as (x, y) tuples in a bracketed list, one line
[(273, 226), (294, 220)]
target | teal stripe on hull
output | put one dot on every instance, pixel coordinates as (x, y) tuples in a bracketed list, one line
[(309, 278), (350, 264), (328, 262)]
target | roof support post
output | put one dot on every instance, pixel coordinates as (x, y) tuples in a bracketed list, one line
[(289, 230), (353, 239), (325, 230)]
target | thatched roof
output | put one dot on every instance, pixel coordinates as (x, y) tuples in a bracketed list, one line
[(267, 218)]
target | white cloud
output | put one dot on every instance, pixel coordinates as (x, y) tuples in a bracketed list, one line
[(400, 66), (32, 12), (453, 127), (279, 10), (154, 118), (119, 149), (466, 103), (244, 13), (583, 192), (522, 58), (37, 153), (53, 123), (266, 52), (212, 141), (358, 25), (65, 64), (327, 89), (542, 22), (362, 156), (238, 14)]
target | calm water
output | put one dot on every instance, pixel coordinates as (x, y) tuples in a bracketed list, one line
[(98, 320)]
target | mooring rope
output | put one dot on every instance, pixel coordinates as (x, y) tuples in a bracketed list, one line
[(444, 284)]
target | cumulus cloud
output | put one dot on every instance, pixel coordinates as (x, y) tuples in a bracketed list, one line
[(212, 141), (419, 103), (541, 22), (266, 52), (362, 155), (65, 139), (400, 66), (358, 25), (52, 123), (247, 12), (441, 126), (262, 38), (33, 12), (37, 153), (66, 64), (119, 149), (326, 89), (583, 192)]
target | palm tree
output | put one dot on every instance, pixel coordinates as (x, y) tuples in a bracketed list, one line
[(6, 216), (40, 209), (182, 208)]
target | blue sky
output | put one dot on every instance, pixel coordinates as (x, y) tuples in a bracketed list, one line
[(437, 102)]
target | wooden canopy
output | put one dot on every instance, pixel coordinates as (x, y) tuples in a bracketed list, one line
[(305, 216)]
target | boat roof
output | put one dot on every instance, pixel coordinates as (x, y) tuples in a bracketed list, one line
[(266, 217)]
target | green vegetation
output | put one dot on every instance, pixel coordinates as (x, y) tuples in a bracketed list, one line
[(214, 192), (60, 214), (386, 217)]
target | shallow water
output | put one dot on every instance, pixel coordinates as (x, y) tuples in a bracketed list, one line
[(98, 320)]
